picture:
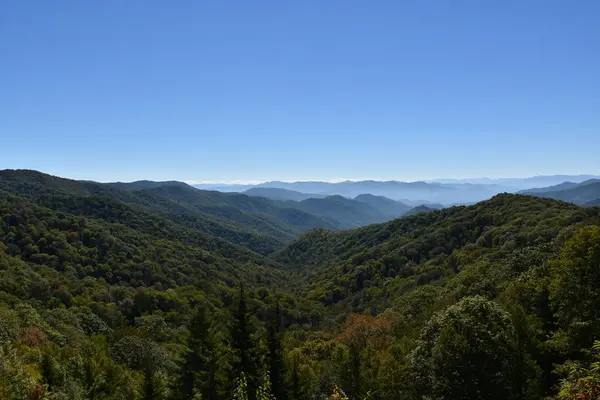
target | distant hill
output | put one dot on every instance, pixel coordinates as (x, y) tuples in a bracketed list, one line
[(139, 185), (388, 207), (282, 194), (581, 193), (349, 213), (258, 213), (522, 183), (419, 209), (431, 192), (345, 265), (554, 188), (444, 191), (418, 192)]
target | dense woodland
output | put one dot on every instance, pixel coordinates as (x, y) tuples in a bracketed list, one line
[(162, 291)]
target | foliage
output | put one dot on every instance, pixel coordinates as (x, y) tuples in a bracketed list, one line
[(574, 286), (466, 351), (155, 291), (582, 383)]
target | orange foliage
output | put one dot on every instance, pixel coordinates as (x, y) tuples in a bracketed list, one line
[(37, 393), (363, 329), (32, 336)]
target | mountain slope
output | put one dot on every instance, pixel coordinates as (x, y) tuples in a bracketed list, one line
[(560, 186), (581, 193), (593, 203), (35, 183), (257, 223), (388, 207), (140, 185), (348, 213), (258, 213), (419, 209), (432, 192), (425, 247), (115, 242), (281, 194)]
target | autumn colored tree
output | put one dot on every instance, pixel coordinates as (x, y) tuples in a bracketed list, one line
[(360, 331), (582, 383)]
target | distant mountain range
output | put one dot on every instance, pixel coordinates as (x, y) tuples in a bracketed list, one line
[(264, 217), (259, 223), (585, 193), (443, 191), (282, 194), (533, 181)]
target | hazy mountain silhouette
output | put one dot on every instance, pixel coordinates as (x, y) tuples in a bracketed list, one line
[(441, 191), (282, 194), (582, 193)]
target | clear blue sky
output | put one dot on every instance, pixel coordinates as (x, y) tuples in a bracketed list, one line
[(261, 90)]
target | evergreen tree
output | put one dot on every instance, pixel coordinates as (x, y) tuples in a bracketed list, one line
[(195, 369), (48, 371), (154, 384), (275, 355), (242, 344), (354, 371), (295, 384)]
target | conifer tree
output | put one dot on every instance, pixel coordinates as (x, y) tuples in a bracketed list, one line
[(275, 355), (243, 345), (195, 370)]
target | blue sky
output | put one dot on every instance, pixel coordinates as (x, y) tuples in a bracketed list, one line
[(299, 90)]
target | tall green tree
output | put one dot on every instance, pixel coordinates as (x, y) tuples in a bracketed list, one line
[(295, 383), (198, 368), (275, 356), (155, 387), (574, 289), (467, 352), (243, 345)]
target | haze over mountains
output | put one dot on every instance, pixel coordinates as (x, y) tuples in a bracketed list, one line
[(443, 191), (264, 216), (584, 193)]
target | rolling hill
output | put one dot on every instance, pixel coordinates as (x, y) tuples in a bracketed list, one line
[(281, 194), (423, 248), (420, 192), (388, 207), (420, 209), (348, 213), (257, 223), (578, 193)]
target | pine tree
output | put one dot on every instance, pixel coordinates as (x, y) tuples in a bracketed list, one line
[(275, 356), (154, 385), (295, 384), (242, 344), (48, 371), (194, 369)]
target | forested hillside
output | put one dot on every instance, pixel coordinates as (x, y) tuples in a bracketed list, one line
[(162, 291), (259, 224)]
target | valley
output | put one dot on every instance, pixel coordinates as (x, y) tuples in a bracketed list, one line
[(159, 286)]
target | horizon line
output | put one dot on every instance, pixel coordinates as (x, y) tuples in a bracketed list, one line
[(340, 180)]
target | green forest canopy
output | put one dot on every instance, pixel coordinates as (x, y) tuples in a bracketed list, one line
[(149, 293)]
